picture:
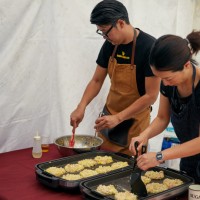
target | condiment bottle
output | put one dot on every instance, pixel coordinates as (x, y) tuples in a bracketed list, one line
[(37, 149)]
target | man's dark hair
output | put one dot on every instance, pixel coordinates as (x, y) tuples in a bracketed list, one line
[(108, 12)]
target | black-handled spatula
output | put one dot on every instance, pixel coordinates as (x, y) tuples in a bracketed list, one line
[(137, 185)]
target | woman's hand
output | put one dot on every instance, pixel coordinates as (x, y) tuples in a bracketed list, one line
[(142, 139), (108, 121), (147, 160)]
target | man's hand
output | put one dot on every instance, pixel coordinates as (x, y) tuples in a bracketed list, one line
[(108, 121), (76, 117)]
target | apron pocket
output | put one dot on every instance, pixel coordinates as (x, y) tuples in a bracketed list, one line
[(118, 134)]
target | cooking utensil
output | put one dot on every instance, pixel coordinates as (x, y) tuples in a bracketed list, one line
[(100, 115), (72, 141), (137, 185), (84, 143)]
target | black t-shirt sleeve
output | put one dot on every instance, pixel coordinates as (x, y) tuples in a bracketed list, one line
[(104, 54), (147, 67), (144, 44)]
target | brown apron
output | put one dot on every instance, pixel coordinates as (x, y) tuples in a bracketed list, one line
[(123, 92)]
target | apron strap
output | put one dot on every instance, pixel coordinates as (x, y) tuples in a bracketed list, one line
[(175, 90), (193, 77), (193, 80), (133, 48), (113, 53)]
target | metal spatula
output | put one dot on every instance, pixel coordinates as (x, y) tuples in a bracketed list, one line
[(100, 115), (137, 185)]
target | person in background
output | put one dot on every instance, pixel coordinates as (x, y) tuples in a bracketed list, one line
[(171, 60), (124, 57)]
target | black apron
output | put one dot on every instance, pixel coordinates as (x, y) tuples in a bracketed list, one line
[(186, 125)]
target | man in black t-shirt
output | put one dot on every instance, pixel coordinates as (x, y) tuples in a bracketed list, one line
[(124, 57)]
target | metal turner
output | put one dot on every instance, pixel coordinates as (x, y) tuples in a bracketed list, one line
[(137, 185), (100, 115)]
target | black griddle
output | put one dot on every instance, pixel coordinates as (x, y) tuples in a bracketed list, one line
[(121, 181), (58, 183)]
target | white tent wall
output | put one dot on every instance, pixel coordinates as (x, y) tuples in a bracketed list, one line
[(48, 51)]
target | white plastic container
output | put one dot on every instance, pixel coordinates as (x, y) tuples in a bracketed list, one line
[(194, 192), (37, 149)]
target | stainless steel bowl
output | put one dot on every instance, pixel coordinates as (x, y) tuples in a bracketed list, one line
[(83, 143)]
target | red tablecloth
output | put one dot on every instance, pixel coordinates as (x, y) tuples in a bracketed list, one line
[(18, 180)]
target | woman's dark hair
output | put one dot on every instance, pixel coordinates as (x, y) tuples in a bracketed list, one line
[(108, 12), (170, 52)]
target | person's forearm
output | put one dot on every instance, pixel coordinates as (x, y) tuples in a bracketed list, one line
[(90, 93), (156, 127), (186, 149)]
